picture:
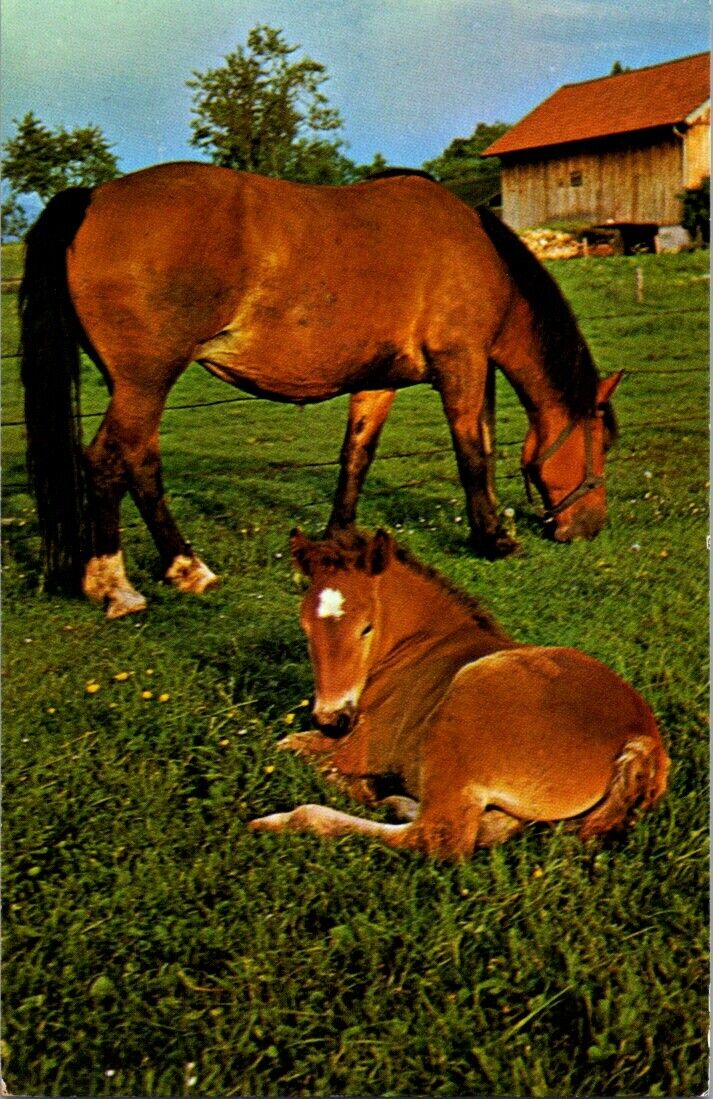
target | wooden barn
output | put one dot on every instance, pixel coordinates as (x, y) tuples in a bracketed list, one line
[(616, 150)]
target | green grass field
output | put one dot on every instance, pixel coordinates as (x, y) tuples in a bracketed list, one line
[(152, 946)]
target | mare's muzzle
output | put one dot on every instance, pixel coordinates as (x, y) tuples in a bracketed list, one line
[(589, 521), (335, 723)]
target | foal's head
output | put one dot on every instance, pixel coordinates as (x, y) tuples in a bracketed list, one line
[(566, 466), (340, 616)]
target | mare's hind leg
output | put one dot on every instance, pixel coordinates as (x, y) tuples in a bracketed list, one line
[(105, 579), (179, 563), (367, 415), (124, 455), (462, 379)]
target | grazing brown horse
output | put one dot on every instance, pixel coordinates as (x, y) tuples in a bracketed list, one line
[(296, 293), (416, 682)]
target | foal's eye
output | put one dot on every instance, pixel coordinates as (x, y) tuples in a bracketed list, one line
[(366, 630)]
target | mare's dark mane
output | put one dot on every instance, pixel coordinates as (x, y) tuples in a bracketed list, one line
[(567, 360), (389, 173), (349, 550)]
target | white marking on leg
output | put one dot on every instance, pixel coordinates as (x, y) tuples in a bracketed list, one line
[(189, 574), (331, 604), (105, 580)]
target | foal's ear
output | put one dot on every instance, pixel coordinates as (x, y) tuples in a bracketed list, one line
[(606, 387), (300, 547), (379, 553)]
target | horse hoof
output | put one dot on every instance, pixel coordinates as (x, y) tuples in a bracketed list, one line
[(189, 574), (501, 545), (275, 822), (127, 601)]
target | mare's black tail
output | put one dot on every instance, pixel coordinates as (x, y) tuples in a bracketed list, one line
[(50, 376)]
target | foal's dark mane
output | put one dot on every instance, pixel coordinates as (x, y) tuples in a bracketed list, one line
[(567, 360), (350, 551)]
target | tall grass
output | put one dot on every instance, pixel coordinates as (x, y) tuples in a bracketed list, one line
[(154, 947)]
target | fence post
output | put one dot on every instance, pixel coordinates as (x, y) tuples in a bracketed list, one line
[(639, 280)]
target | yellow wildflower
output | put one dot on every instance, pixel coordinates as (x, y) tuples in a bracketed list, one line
[(147, 694), (121, 676), (92, 687), (269, 769), (289, 718), (164, 697), (51, 710)]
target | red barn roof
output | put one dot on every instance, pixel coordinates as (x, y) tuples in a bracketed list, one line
[(660, 95)]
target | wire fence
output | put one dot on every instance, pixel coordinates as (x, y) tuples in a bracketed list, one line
[(641, 315), (697, 423)]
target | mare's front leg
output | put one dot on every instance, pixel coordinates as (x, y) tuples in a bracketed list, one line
[(463, 378), (367, 414)]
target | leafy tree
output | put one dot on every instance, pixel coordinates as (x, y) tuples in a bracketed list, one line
[(461, 160), (42, 161), (617, 68), (15, 221), (264, 111), (696, 216), (363, 171)]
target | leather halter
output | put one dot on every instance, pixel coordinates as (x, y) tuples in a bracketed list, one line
[(591, 480)]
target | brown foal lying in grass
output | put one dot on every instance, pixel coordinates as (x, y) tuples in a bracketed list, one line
[(415, 681)]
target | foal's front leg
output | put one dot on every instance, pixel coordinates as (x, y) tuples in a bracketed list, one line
[(320, 750), (321, 820)]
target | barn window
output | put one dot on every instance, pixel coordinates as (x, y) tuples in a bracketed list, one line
[(575, 179)]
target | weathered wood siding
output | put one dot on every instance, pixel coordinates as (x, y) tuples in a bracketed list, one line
[(636, 181), (698, 149)]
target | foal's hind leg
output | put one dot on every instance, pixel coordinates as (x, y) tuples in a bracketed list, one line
[(462, 379), (367, 415), (496, 827)]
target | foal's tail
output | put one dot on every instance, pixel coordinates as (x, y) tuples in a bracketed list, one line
[(50, 376), (639, 781)]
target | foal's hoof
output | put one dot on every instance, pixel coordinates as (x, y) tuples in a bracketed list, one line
[(275, 822), (189, 574)]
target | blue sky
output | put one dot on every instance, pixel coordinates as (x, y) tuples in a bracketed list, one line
[(407, 75)]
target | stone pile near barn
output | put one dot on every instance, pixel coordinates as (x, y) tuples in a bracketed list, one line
[(557, 244), (552, 243)]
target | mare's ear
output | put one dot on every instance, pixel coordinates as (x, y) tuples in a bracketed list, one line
[(379, 553), (300, 549), (606, 387)]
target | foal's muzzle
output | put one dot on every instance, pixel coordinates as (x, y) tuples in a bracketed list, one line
[(335, 723)]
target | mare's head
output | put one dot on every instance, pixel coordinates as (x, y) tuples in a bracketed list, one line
[(565, 463), (341, 619)]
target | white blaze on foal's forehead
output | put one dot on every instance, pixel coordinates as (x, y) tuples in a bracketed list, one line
[(331, 603)]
